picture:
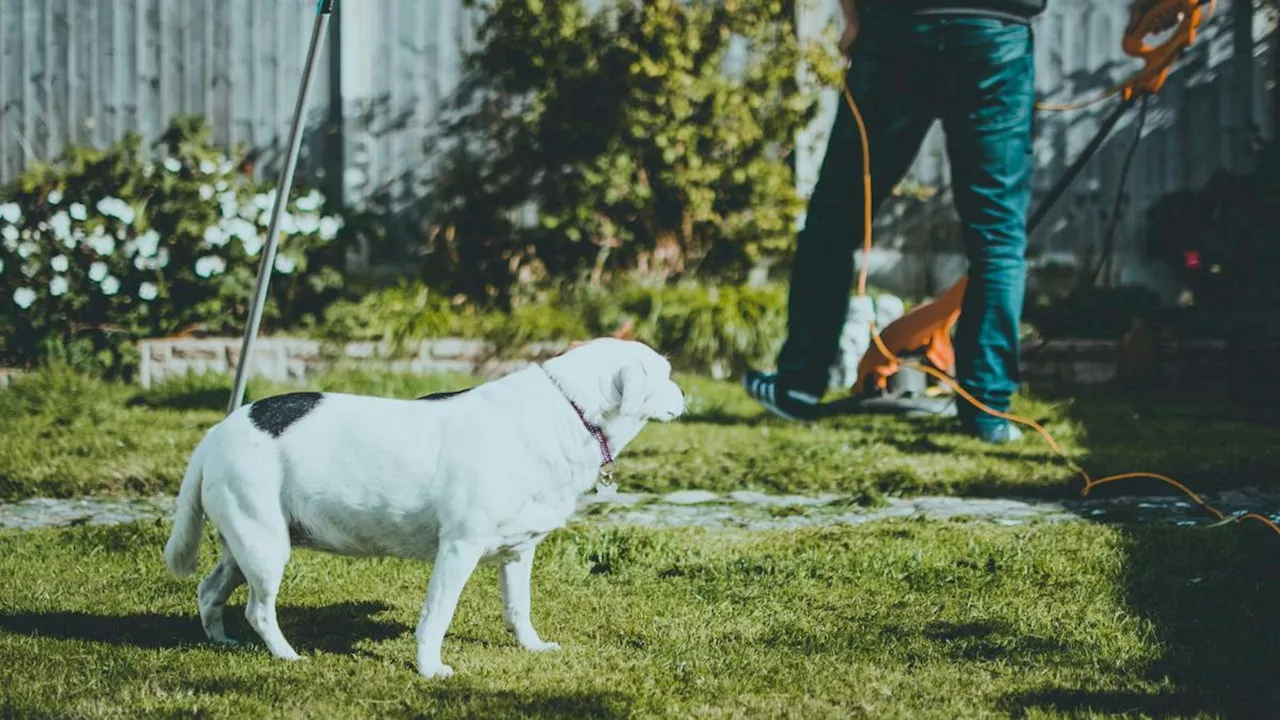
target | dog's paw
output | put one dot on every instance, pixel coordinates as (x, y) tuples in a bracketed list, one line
[(541, 646), (439, 672), (290, 656), (225, 641)]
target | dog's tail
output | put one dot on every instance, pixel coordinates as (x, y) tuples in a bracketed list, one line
[(182, 552)]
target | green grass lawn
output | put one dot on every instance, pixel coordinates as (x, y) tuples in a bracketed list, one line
[(892, 619), (65, 435), (896, 619)]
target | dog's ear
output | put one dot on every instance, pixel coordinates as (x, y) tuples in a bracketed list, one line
[(631, 382)]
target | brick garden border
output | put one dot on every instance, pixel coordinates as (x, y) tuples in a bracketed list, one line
[(285, 359)]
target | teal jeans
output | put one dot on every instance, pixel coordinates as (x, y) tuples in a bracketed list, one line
[(977, 76)]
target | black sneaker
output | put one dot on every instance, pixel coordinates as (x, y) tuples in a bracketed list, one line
[(786, 404)]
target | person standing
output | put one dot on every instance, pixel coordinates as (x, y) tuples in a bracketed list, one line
[(971, 65)]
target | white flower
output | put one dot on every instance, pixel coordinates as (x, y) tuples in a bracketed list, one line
[(210, 265), (252, 244), (59, 263), (102, 244), (10, 235), (60, 223), (10, 213), (161, 260), (226, 167), (148, 242), (288, 224), (79, 211), (249, 212), (30, 269), (206, 192), (23, 297), (148, 291), (207, 167), (285, 264), (173, 165), (310, 202), (27, 249), (117, 208), (308, 224), (329, 228), (242, 229), (220, 186), (213, 235), (230, 205), (55, 197), (148, 169), (98, 271), (111, 285), (264, 201), (58, 286)]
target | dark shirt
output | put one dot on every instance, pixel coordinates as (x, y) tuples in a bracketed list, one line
[(1015, 10)]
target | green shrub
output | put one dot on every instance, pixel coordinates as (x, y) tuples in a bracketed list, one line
[(698, 326), (683, 166), (1093, 313), (1230, 226), (107, 246), (703, 326), (398, 316)]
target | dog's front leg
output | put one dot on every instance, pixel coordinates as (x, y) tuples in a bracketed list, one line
[(516, 602), (455, 561)]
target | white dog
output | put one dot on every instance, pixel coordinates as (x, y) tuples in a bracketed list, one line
[(454, 478)]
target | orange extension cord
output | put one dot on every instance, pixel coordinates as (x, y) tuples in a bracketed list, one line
[(1145, 81)]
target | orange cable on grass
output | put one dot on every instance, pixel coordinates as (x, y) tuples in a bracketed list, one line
[(1089, 481)]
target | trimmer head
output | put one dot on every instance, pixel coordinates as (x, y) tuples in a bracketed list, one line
[(905, 395)]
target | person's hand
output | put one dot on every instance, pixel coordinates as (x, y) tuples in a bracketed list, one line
[(850, 34)]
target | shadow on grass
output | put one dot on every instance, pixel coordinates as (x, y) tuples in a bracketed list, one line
[(1211, 597), (449, 701), (721, 416), (184, 399), (332, 628), (989, 641)]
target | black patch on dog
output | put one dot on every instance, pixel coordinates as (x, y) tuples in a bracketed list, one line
[(275, 414), (444, 395)]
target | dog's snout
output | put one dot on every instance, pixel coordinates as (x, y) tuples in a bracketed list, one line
[(675, 402)]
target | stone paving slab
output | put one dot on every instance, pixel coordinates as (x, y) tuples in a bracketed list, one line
[(744, 509)]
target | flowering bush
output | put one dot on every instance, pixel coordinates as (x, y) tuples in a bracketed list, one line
[(107, 246)]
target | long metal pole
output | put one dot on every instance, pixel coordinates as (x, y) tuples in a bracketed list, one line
[(1064, 182), (324, 9)]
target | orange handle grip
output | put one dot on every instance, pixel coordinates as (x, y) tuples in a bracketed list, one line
[(1158, 59)]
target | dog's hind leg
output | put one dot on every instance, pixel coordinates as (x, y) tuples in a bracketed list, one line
[(516, 575), (216, 587), (261, 548), (455, 561)]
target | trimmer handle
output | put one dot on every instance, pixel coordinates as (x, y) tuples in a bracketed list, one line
[(1152, 19)]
